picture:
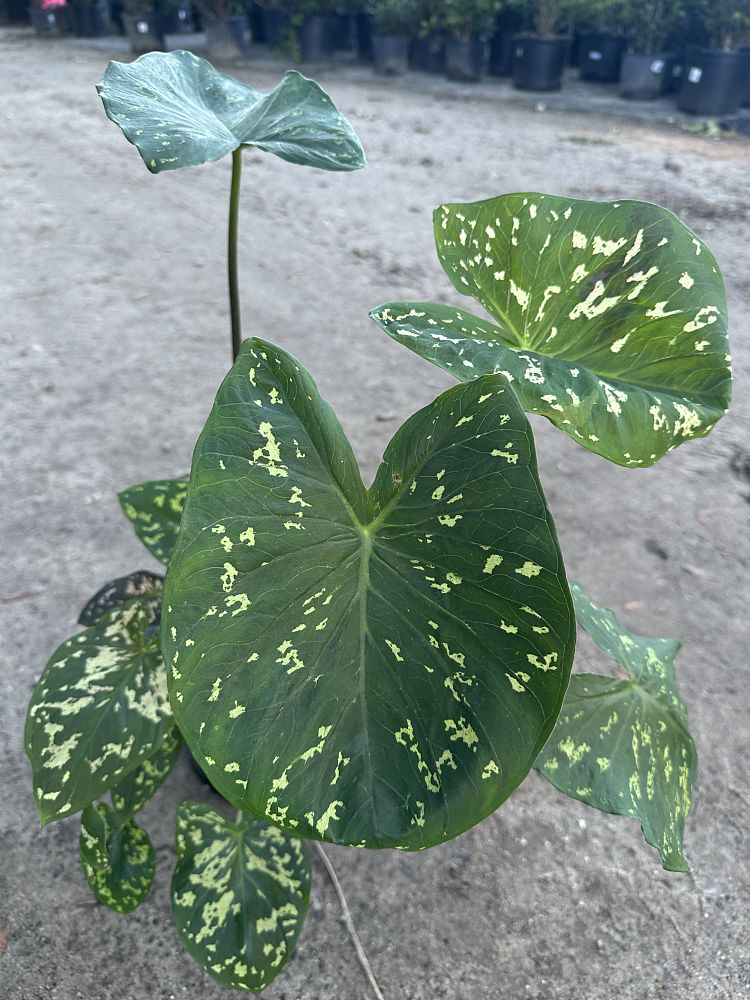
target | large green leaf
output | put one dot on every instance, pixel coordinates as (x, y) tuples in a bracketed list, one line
[(131, 794), (374, 667), (623, 745), (240, 893), (179, 111), (610, 318), (118, 859), (155, 509), (99, 710), (119, 591)]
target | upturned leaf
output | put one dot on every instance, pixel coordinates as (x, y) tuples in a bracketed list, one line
[(138, 787), (623, 746), (372, 667), (155, 509), (240, 894), (118, 859), (100, 708), (610, 318), (179, 111), (120, 591)]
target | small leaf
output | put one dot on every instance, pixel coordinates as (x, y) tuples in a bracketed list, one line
[(155, 509), (119, 591), (610, 318), (623, 746), (99, 710), (138, 787), (240, 893), (372, 667), (179, 111), (118, 859)]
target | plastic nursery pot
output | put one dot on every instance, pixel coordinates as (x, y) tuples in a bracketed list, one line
[(47, 22), (673, 72), (143, 31), (465, 59), (713, 83), (745, 54), (390, 54), (428, 54), (318, 36), (364, 37), (275, 27), (501, 55), (538, 63), (92, 20), (642, 77), (178, 21), (226, 38), (600, 57)]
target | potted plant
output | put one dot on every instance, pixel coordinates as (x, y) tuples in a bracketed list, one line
[(467, 25), (226, 27), (601, 50), (142, 23), (176, 17), (428, 48), (49, 17), (395, 23), (318, 24), (91, 18), (644, 66), (511, 21), (539, 57), (275, 18), (714, 81)]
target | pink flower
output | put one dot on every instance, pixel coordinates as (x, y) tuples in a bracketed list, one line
[(52, 4)]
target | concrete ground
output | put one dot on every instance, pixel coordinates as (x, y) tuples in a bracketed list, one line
[(114, 337)]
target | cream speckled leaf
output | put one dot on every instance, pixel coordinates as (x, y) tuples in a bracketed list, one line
[(179, 111), (138, 787), (240, 894), (623, 746), (100, 708), (119, 591), (373, 667), (610, 318), (155, 509), (118, 859)]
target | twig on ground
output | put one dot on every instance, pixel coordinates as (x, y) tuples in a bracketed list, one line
[(349, 921)]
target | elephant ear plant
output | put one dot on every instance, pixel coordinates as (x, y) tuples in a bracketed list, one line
[(380, 666)]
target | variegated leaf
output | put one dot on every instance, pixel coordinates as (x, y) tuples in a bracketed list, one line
[(118, 859), (610, 318), (138, 787), (119, 591), (98, 711), (623, 746), (240, 894), (373, 667), (179, 111), (155, 509)]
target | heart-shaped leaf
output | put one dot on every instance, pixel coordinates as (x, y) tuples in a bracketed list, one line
[(179, 111), (240, 894), (118, 859), (138, 787), (374, 667), (120, 591), (155, 509), (610, 318), (100, 708), (623, 746)]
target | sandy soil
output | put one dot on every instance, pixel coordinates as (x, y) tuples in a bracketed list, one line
[(114, 338)]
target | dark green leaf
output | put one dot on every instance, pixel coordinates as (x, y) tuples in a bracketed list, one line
[(179, 111), (118, 859), (375, 667), (155, 509), (610, 318), (119, 591), (240, 893), (99, 710), (623, 745), (135, 790)]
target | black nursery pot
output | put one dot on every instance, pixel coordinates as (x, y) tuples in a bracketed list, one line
[(428, 54), (226, 38), (275, 27), (501, 55), (143, 31), (673, 72), (92, 20), (390, 54), (745, 54), (642, 77), (465, 59), (713, 82), (600, 57), (318, 37), (48, 22), (364, 37), (538, 63), (178, 21)]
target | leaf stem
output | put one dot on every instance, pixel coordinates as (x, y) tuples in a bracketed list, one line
[(349, 921), (234, 284)]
